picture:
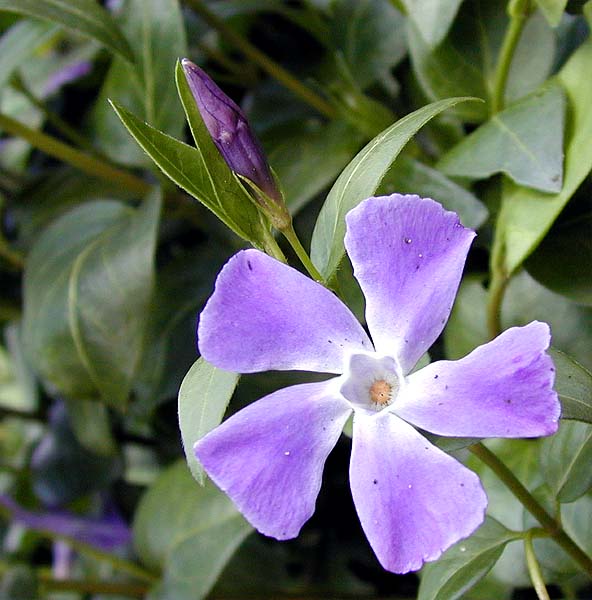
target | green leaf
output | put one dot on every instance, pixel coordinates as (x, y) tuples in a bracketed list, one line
[(574, 386), (409, 176), (464, 63), (565, 461), (187, 531), (553, 10), (87, 288), (203, 398), (203, 175), (310, 157), (18, 44), (90, 423), (360, 179), (443, 72), (463, 565), (86, 17), (563, 260), (370, 36), (182, 287), (156, 31), (432, 18), (526, 214), (513, 142)]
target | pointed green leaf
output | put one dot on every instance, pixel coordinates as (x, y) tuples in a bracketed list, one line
[(203, 398), (87, 17), (156, 31), (187, 531), (463, 565), (206, 177), (526, 214), (513, 142), (574, 386), (87, 288), (565, 461), (360, 179)]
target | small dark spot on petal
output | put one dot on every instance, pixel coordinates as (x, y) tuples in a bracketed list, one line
[(462, 485), (375, 481), (406, 341), (407, 240), (436, 376), (508, 401), (552, 369), (249, 265), (330, 341), (440, 403), (445, 387)]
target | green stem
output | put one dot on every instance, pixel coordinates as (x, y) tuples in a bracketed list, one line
[(534, 569), (497, 288), (291, 236), (267, 64), (66, 130), (51, 584), (74, 157), (519, 11), (13, 258), (531, 504)]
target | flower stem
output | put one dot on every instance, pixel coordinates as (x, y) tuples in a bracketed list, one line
[(534, 569), (76, 158), (519, 11), (291, 236), (268, 65), (497, 288), (533, 506)]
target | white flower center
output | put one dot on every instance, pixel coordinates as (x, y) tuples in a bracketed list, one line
[(371, 381)]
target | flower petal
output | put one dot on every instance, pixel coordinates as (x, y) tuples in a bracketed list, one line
[(414, 501), (269, 457), (265, 315), (408, 254), (501, 389)]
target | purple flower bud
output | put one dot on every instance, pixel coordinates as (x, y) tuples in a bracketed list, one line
[(230, 131)]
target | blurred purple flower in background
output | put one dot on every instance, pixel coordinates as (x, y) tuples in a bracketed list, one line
[(69, 73), (106, 532), (413, 500)]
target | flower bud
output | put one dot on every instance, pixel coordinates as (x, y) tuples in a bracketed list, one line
[(231, 132)]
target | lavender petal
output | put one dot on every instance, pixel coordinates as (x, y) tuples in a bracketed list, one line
[(269, 457), (414, 501), (408, 254), (265, 316), (501, 389)]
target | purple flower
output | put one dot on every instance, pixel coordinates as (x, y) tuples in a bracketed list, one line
[(106, 532), (66, 75), (413, 500), (230, 130)]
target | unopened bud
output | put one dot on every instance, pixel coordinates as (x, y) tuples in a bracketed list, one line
[(231, 132)]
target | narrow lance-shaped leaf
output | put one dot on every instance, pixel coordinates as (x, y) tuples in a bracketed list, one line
[(463, 565), (206, 178), (203, 398), (87, 17), (360, 179)]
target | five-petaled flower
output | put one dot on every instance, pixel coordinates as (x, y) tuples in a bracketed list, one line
[(413, 500)]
